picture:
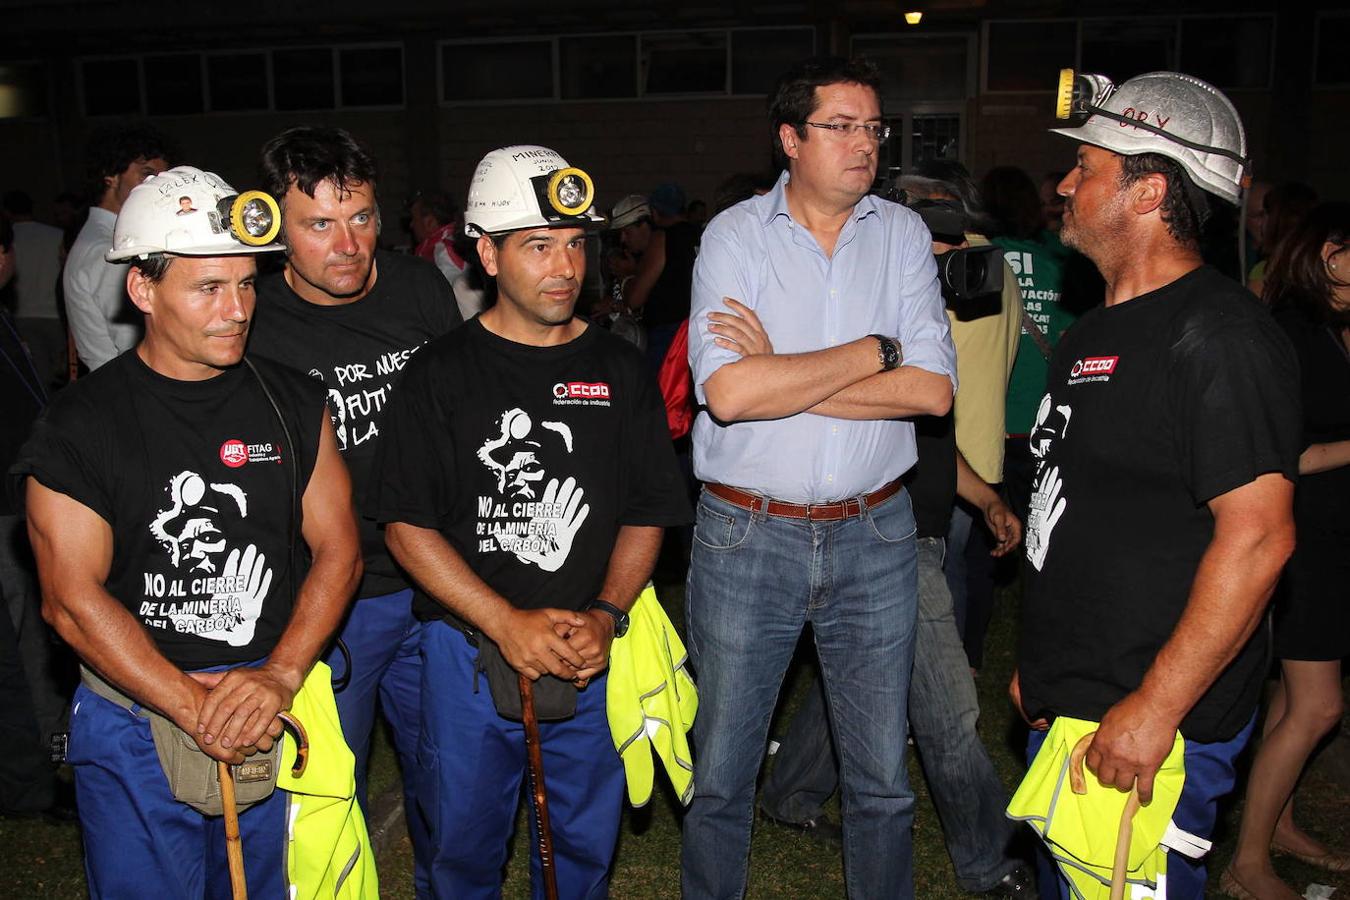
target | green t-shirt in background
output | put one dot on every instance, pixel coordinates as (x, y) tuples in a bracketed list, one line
[(1038, 264)]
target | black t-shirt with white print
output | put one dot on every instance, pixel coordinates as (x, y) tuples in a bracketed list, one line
[(358, 350), (1154, 407), (528, 459), (195, 480)]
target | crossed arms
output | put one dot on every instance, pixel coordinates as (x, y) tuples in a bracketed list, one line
[(845, 382)]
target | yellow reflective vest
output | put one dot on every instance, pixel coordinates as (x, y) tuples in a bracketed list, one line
[(1080, 830), (328, 849), (651, 701)]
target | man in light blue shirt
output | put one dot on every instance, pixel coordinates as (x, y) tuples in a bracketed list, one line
[(817, 325)]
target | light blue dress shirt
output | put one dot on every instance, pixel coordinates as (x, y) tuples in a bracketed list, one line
[(880, 280)]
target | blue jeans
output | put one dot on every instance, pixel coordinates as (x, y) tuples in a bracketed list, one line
[(1210, 776), (943, 710), (754, 581), (385, 642), (471, 764)]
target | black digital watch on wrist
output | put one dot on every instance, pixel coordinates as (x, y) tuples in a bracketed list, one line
[(619, 616), (888, 352)]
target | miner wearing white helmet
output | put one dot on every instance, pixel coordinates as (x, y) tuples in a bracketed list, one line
[(526, 474), (1166, 450), (166, 492)]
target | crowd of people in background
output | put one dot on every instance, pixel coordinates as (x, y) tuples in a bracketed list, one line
[(671, 284)]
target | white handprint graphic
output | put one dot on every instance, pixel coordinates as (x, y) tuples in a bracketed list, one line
[(547, 540), (231, 615), (1047, 506)]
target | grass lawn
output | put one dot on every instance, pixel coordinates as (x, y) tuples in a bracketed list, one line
[(44, 861)]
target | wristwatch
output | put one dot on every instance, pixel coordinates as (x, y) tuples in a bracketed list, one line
[(888, 351), (619, 616)]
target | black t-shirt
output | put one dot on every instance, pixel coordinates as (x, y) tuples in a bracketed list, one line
[(1320, 502), (195, 479), (528, 459), (932, 480), (668, 303), (358, 350), (1155, 407)]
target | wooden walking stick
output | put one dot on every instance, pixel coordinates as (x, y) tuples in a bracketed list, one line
[(1125, 832), (234, 846), (535, 765)]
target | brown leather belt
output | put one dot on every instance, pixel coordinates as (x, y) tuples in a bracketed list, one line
[(816, 512)]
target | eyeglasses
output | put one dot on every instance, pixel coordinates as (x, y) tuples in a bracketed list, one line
[(844, 130)]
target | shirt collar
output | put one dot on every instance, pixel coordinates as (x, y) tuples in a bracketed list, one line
[(774, 203)]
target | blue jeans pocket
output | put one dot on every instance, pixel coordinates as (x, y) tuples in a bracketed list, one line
[(718, 530), (893, 521)]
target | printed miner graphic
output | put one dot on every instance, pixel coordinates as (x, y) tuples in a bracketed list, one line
[(538, 527), (216, 600)]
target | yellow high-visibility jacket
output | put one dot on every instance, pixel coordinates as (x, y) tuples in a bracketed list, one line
[(328, 849), (1081, 830), (651, 701)]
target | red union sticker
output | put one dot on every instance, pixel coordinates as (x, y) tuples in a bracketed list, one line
[(581, 390), (233, 453), (1094, 365)]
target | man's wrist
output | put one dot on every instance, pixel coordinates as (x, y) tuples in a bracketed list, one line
[(617, 616), (888, 352)]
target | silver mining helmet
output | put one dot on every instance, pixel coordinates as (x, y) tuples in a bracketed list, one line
[(1174, 115)]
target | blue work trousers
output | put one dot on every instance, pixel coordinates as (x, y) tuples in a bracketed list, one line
[(384, 641), (141, 842), (471, 766), (754, 582)]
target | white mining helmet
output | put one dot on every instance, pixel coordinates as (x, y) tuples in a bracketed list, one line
[(527, 186), (188, 212), (1175, 115)]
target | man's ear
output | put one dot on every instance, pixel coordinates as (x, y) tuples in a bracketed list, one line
[(487, 252), (788, 138), (141, 290), (1148, 193)]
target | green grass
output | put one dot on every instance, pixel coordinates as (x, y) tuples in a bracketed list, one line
[(38, 860)]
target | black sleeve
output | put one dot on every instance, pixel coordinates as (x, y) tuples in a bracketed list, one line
[(413, 477), (67, 453), (656, 493), (1235, 398), (438, 299), (302, 401)]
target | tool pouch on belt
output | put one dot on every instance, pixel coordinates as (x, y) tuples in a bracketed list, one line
[(553, 698), (193, 776)]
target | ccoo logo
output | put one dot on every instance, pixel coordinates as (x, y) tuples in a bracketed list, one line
[(1094, 365), (581, 390)]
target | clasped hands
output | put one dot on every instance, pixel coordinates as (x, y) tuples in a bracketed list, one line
[(573, 646), (237, 710)]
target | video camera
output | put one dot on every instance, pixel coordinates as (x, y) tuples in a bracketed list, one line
[(964, 273)]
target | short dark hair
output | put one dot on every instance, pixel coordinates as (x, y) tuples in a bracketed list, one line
[(114, 147), (1185, 208), (794, 99), (1298, 276), (153, 266), (1013, 202), (309, 155), (18, 203)]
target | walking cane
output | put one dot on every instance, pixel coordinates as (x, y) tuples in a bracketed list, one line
[(535, 758), (1126, 831), (234, 845)]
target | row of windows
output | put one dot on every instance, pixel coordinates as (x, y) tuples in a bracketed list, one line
[(297, 78), (1233, 52), (621, 66)]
